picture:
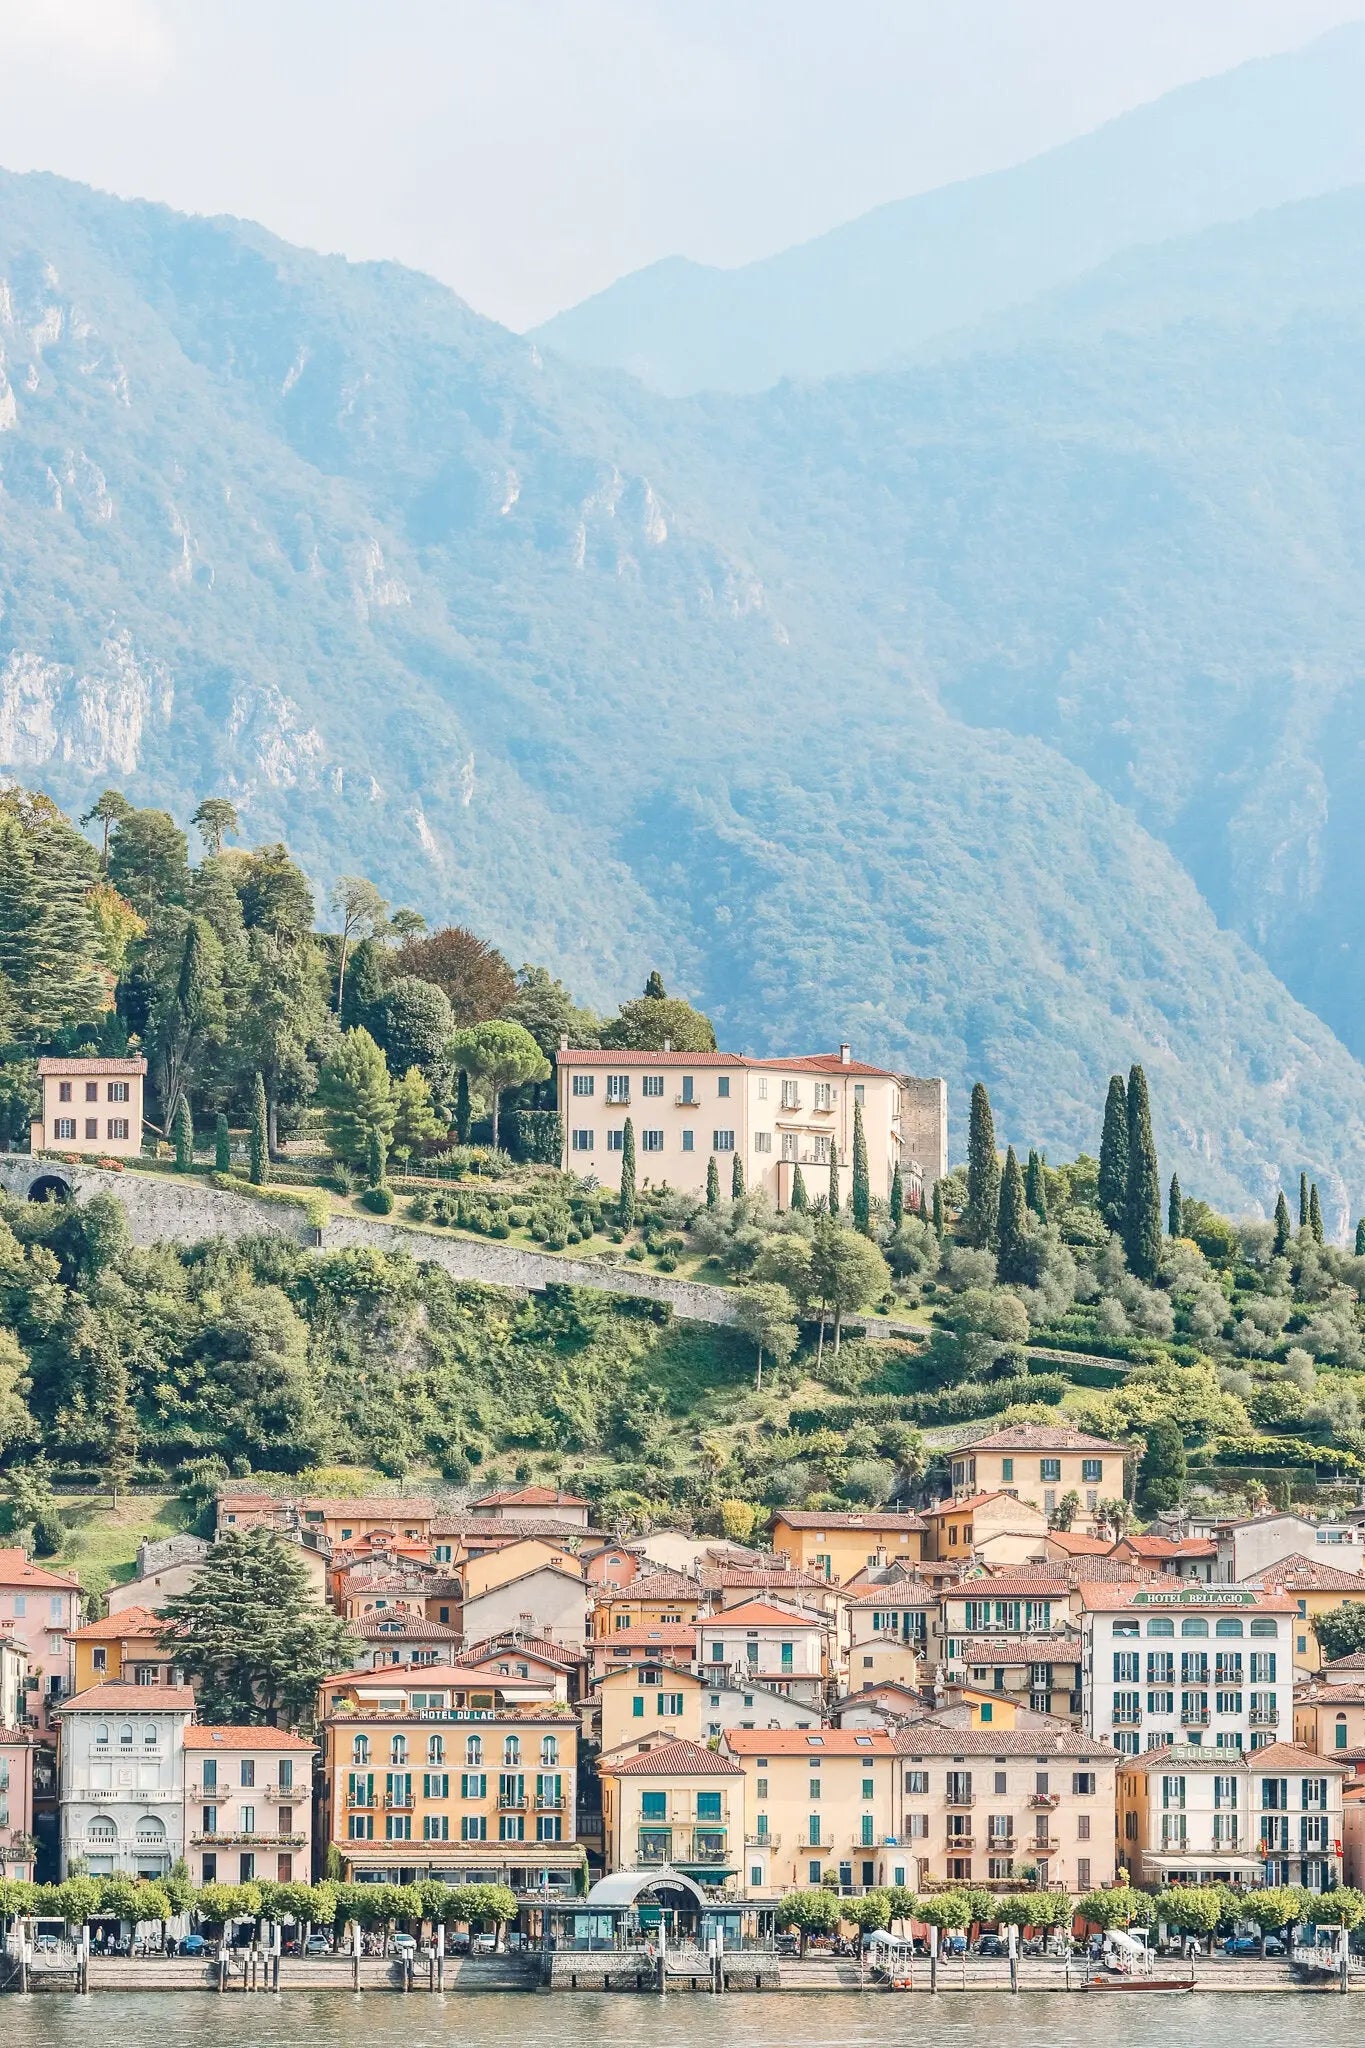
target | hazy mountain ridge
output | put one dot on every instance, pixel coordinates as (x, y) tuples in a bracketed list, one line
[(613, 679)]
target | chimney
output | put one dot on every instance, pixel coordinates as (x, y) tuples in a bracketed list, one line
[(668, 1045), (564, 1041), (845, 1055)]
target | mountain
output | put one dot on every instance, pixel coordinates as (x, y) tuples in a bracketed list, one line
[(722, 687), (1279, 129)]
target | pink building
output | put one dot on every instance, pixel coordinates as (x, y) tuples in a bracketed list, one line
[(17, 1748), (39, 1608), (248, 1806)]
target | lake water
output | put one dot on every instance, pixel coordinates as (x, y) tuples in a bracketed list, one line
[(387, 2020)]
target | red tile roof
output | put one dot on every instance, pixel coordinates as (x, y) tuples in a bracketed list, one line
[(117, 1698), (759, 1614), (805, 1063), (1076, 1545), (529, 1497), (1046, 1738), (1275, 1756), (1163, 1549), (16, 1569), (1010, 1585), (50, 1065), (379, 1626), (244, 1738), (986, 1650), (671, 1760), (671, 1635), (971, 1501), (816, 1742), (513, 1644), (662, 1584), (131, 1621), (878, 1523), (1036, 1436), (1300, 1574)]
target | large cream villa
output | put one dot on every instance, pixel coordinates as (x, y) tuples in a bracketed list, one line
[(775, 1115)]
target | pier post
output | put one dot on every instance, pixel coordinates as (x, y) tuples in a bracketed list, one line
[(222, 1967), (441, 1957), (355, 1955), (933, 1959), (85, 1958), (1013, 1943)]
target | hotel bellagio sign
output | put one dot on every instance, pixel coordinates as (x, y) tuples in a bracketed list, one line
[(1199, 1596)]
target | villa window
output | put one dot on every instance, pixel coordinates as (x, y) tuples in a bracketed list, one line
[(583, 1084), (722, 1141)]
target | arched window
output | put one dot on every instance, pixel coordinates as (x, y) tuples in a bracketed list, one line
[(549, 1749), (125, 1734), (436, 1749), (1227, 1625), (511, 1750), (150, 1829), (101, 1829), (1162, 1625), (473, 1749), (1263, 1628), (360, 1750), (1195, 1626), (398, 1749), (149, 1731), (102, 1732)]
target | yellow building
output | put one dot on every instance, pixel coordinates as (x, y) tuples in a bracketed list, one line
[(649, 1698), (657, 1599), (837, 1546), (1042, 1463), (90, 1105), (125, 1646), (1315, 1588), (677, 1803), (999, 1525), (499, 1567), (816, 1800), (434, 1772), (1329, 1717)]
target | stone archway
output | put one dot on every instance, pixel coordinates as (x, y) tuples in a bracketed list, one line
[(50, 1187)]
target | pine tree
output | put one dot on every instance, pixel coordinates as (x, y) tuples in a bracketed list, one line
[(713, 1184), (1360, 1238), (182, 1132), (736, 1178), (982, 1217), (1315, 1213), (260, 1150), (939, 1217), (462, 1113), (834, 1180), (862, 1178), (1035, 1186), (114, 1417), (1303, 1201), (376, 1158), (654, 987), (1011, 1229), (1175, 1209), (625, 1207), (222, 1145), (800, 1199), (1281, 1225), (897, 1197), (1142, 1217), (1113, 1183)]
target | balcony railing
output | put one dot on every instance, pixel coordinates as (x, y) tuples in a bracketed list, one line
[(960, 1799), (1194, 1717), (1127, 1717), (297, 1795), (763, 1841), (1042, 1845), (956, 1842), (1265, 1717), (260, 1838), (545, 1803), (656, 1852), (512, 1802), (1038, 1799), (1001, 1845), (687, 1102)]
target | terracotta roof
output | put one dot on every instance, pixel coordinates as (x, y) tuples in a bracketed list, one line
[(1012, 1584), (16, 1569), (1108, 1597), (49, 1065), (802, 1063), (244, 1738), (672, 1760), (671, 1635), (1161, 1549), (132, 1621), (1315, 1695), (1354, 1662), (411, 1628), (757, 1613), (656, 1585), (969, 1503), (368, 1507), (1045, 1738), (816, 1742), (1076, 1545), (1302, 1574), (1036, 1436), (507, 1528), (530, 1497), (511, 1643), (762, 1578), (906, 1592), (117, 1698), (878, 1523), (1023, 1650), (827, 1063)]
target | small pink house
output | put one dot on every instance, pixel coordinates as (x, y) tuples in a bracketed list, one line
[(39, 1608), (17, 1747), (248, 1805)]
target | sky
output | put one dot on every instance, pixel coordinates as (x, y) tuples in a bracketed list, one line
[(528, 152)]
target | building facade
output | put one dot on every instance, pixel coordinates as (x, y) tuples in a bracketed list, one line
[(674, 1802), (836, 1546), (121, 1778), (688, 1108), (248, 1805), (1045, 1464), (783, 1648), (1192, 1815), (816, 1801), (40, 1608), (90, 1105), (126, 1645), (1199, 1665)]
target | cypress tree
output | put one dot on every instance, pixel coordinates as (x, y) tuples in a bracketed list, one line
[(938, 1209), (983, 1172), (1360, 1238), (1142, 1218), (800, 1199), (1113, 1185), (1011, 1230), (1303, 1201), (897, 1196), (222, 1145), (462, 1112), (1035, 1186), (625, 1209), (713, 1184), (260, 1150), (834, 1180), (1315, 1213), (736, 1178), (1175, 1211), (1281, 1225), (376, 1158), (654, 987), (862, 1182), (182, 1131)]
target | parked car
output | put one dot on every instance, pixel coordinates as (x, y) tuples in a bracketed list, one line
[(1250, 1945), (318, 1945), (954, 1944), (404, 1945), (991, 1945), (483, 1944), (191, 1945)]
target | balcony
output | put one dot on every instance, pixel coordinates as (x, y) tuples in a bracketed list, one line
[(361, 1801), (298, 1795), (546, 1804), (1265, 1717), (656, 1852), (1046, 1799), (687, 1102), (1194, 1717), (253, 1838), (963, 1799), (763, 1841), (955, 1843), (1127, 1717), (401, 1802), (514, 1802), (1000, 1845), (1041, 1845), (621, 1101)]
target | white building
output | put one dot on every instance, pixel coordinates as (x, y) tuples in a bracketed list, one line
[(122, 1778), (1188, 1815), (782, 1648), (1198, 1665)]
